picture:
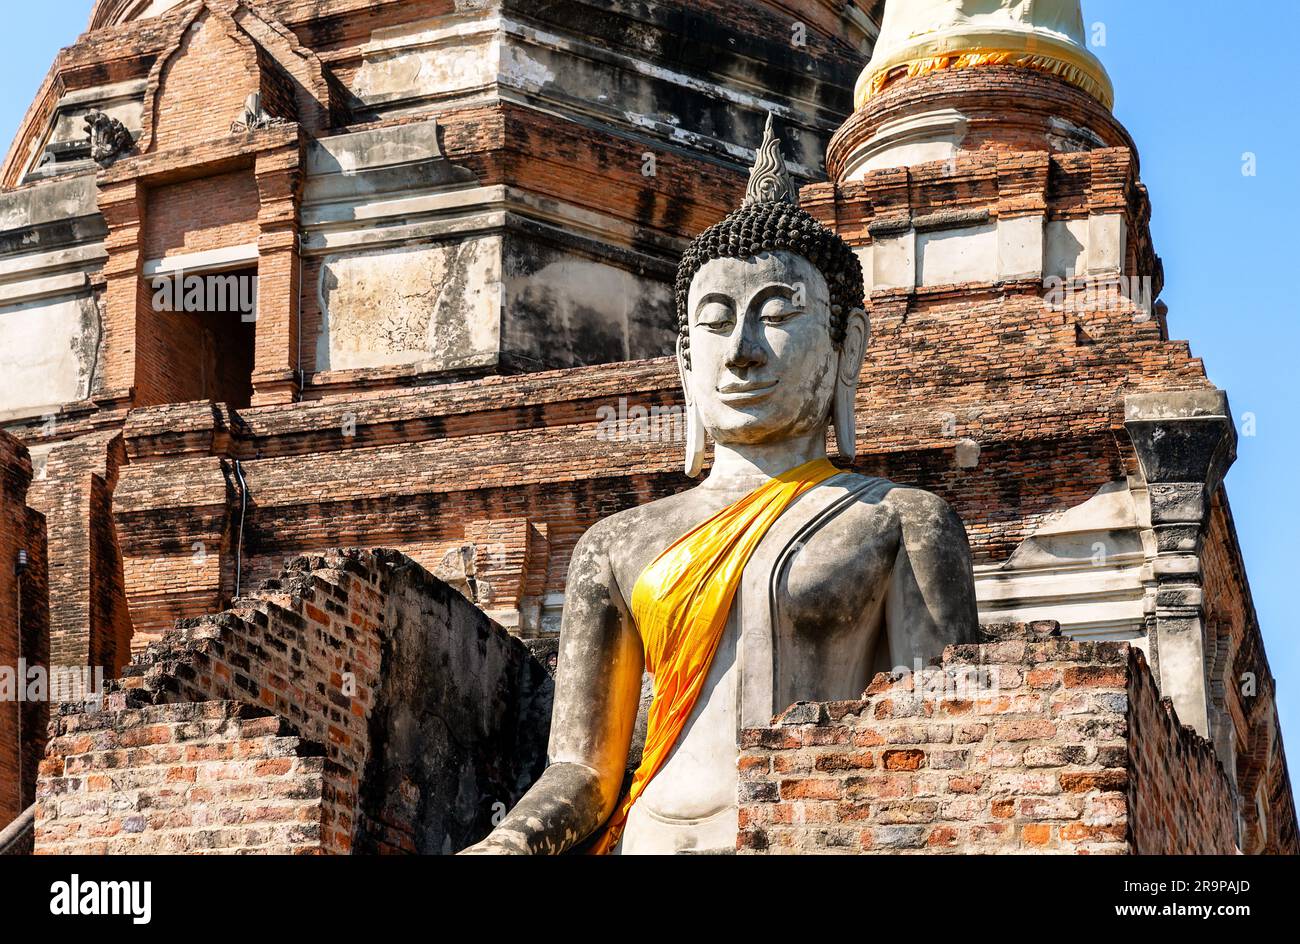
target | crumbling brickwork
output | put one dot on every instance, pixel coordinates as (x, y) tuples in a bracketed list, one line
[(195, 777), (1027, 745), (1179, 797), (425, 717), (90, 626), (1243, 691)]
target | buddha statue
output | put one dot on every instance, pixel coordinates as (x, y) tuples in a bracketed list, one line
[(779, 578)]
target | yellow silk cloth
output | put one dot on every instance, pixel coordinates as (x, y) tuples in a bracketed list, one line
[(681, 603)]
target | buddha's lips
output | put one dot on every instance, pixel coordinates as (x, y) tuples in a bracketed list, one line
[(746, 391)]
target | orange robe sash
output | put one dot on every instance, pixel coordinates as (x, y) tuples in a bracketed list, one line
[(681, 603)]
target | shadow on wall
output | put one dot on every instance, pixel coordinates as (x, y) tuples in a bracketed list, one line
[(460, 724)]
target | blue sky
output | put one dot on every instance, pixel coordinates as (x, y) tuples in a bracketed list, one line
[(1197, 93)]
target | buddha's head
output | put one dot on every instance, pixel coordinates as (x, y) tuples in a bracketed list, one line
[(771, 328)]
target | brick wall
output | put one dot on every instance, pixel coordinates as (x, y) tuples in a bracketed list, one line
[(984, 362), (287, 652), (24, 633), (1044, 410), (198, 215), (200, 777), (433, 469), (1178, 796), (89, 621), (1030, 744), (1243, 691), (426, 713), (203, 85)]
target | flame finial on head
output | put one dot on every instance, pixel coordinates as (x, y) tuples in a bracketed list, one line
[(770, 220), (769, 179)]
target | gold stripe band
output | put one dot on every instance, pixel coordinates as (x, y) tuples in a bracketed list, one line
[(960, 51)]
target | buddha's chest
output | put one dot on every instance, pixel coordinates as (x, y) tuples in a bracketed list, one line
[(825, 584), (823, 569), (810, 611)]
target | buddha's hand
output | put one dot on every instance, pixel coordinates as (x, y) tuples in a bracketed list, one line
[(499, 842)]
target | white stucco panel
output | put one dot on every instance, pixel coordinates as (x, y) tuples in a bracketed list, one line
[(426, 61), (410, 304), (950, 257), (1067, 248), (893, 261), (1020, 247), (47, 351)]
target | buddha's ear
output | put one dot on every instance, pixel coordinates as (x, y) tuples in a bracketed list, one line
[(844, 410), (694, 424)]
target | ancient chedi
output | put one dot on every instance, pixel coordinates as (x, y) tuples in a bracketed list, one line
[(465, 220)]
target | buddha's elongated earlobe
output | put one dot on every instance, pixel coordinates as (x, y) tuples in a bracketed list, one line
[(694, 424), (694, 441), (844, 408)]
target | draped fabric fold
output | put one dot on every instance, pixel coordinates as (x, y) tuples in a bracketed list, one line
[(681, 603), (1087, 80)]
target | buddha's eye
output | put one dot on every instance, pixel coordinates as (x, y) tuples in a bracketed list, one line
[(716, 316), (777, 309)]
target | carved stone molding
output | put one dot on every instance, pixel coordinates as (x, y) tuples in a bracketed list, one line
[(1185, 442), (109, 138)]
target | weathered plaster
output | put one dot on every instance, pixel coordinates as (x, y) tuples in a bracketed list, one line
[(1020, 248), (423, 59), (1107, 233), (953, 256), (48, 353), (917, 139), (66, 144), (51, 239), (1085, 568), (893, 261), (439, 305), (496, 56), (566, 309), (1067, 248)]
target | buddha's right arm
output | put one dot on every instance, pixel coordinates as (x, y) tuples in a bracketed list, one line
[(597, 691)]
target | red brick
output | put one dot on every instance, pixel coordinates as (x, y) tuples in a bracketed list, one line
[(903, 760)]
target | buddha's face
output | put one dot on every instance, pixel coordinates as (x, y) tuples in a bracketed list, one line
[(762, 363)]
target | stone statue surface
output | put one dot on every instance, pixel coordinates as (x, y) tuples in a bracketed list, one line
[(857, 575)]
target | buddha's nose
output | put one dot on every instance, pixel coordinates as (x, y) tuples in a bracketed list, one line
[(744, 351)]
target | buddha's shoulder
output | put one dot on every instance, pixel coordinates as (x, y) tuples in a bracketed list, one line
[(907, 504), (666, 518), (665, 514)]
